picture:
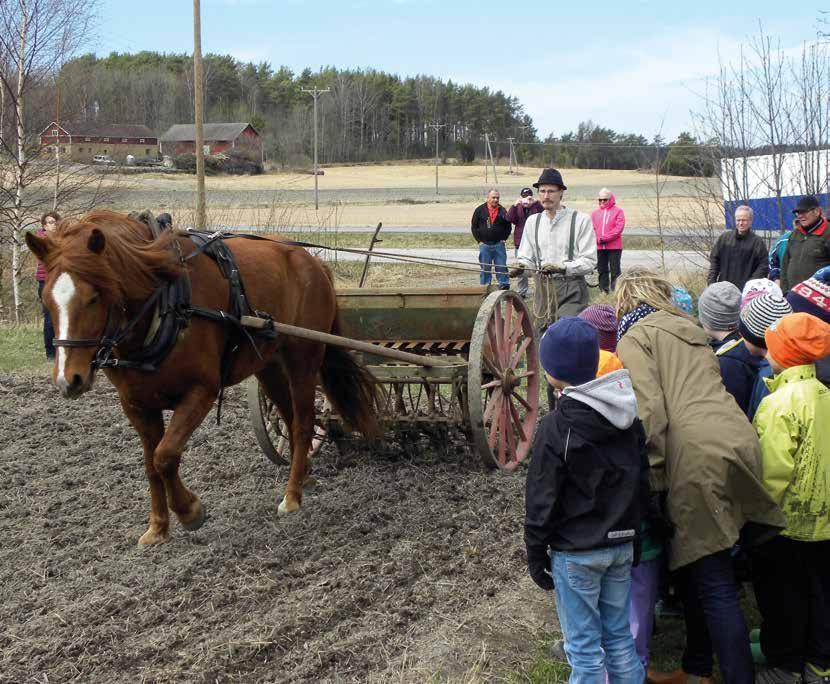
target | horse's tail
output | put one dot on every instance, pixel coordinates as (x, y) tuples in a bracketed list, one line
[(351, 388)]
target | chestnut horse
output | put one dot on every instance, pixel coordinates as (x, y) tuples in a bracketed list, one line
[(100, 272)]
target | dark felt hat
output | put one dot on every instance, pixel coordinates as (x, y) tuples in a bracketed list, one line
[(526, 192), (550, 177)]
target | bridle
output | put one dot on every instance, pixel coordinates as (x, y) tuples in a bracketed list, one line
[(109, 340)]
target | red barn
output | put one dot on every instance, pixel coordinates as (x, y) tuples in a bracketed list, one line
[(219, 137), (80, 142)]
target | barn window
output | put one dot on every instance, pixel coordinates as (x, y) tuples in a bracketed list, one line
[(106, 140), (87, 139), (141, 140), (123, 140), (55, 131)]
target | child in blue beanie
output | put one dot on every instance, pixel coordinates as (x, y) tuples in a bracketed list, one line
[(587, 487)]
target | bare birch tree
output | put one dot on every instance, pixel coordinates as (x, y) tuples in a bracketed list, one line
[(35, 37)]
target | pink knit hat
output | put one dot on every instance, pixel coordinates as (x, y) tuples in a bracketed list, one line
[(603, 318), (759, 286)]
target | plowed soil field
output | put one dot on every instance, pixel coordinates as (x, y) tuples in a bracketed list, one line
[(401, 566)]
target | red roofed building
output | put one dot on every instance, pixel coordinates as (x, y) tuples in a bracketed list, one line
[(219, 138), (80, 142)]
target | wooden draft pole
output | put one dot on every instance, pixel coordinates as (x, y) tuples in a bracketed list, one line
[(198, 116)]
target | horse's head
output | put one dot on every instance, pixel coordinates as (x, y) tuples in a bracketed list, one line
[(78, 301)]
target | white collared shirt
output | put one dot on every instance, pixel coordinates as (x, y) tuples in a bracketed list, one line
[(549, 243)]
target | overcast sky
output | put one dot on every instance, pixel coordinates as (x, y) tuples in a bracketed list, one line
[(631, 66)]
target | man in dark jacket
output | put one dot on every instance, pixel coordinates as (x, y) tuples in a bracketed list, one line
[(808, 248), (738, 255), (491, 227), (522, 208), (587, 487), (719, 309)]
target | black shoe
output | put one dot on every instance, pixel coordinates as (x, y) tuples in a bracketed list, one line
[(504, 287)]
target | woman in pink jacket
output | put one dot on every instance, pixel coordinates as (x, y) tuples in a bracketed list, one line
[(609, 221)]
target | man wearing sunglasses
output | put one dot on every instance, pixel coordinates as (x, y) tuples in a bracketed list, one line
[(808, 248)]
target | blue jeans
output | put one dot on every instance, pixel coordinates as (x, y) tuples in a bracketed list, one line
[(714, 618), (496, 255), (593, 596)]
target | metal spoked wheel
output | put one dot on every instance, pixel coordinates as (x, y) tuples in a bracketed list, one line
[(270, 429), (503, 380)]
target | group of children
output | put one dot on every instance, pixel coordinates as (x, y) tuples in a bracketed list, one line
[(681, 444)]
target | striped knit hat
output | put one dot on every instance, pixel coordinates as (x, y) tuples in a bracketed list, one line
[(759, 314), (603, 318), (811, 296)]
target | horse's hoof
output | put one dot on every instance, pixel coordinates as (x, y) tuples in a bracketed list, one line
[(152, 537), (287, 507), (197, 521)]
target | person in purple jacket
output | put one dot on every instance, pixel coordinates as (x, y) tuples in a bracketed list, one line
[(523, 207), (609, 222)]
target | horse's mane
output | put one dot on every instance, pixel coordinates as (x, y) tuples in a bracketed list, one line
[(130, 265)]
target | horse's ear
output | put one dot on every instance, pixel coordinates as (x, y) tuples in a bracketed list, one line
[(96, 241), (39, 246)]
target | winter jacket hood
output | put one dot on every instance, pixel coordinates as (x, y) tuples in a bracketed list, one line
[(609, 222), (612, 396)]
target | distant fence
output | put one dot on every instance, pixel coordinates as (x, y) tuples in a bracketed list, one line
[(771, 185)]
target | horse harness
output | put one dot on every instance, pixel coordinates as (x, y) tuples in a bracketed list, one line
[(174, 309)]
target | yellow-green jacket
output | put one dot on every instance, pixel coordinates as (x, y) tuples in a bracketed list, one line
[(793, 424)]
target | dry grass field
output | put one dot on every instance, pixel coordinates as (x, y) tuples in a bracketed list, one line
[(397, 195)]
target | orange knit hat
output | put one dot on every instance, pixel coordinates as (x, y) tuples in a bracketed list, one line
[(798, 339), (608, 363)]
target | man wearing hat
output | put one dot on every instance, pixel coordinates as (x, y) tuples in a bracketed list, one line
[(808, 248), (560, 244), (523, 207)]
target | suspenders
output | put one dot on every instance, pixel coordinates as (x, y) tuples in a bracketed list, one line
[(570, 238)]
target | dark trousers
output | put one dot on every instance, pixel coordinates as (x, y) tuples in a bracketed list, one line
[(48, 329), (792, 587), (713, 616), (608, 267)]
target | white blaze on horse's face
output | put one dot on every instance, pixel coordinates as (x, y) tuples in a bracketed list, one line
[(63, 292), (78, 315)]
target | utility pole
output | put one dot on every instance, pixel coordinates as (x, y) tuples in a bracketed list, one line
[(315, 93), (435, 127), (198, 115), (489, 151), (58, 146), (512, 157)]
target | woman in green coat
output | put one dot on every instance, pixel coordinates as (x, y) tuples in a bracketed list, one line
[(705, 455)]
